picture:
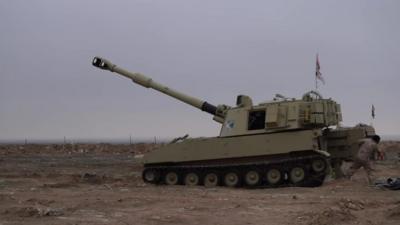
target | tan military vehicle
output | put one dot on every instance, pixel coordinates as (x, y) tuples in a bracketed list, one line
[(283, 142)]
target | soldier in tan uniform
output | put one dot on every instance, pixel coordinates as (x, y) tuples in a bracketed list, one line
[(366, 153)]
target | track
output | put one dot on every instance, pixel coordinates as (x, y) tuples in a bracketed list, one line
[(303, 171)]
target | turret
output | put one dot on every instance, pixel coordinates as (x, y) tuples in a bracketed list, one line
[(282, 114), (217, 111)]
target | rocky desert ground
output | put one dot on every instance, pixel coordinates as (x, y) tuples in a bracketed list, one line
[(101, 184)]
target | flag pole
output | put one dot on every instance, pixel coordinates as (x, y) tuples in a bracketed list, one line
[(316, 73)]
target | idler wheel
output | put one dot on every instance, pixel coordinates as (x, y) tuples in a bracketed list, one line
[(150, 176), (231, 179), (211, 180), (274, 176), (192, 179), (171, 178), (252, 178), (318, 165), (297, 174)]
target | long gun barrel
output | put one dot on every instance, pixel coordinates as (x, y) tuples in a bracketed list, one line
[(149, 83)]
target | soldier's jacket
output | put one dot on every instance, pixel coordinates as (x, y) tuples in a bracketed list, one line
[(368, 149)]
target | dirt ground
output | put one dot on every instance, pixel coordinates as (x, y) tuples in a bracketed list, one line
[(101, 184)]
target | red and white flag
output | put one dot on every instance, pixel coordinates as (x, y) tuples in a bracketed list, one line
[(318, 74)]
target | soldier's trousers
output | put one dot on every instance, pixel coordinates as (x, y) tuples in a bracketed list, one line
[(357, 164)]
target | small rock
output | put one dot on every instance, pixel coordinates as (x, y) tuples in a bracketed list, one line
[(53, 212)]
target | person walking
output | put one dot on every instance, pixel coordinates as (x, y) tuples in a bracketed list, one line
[(368, 149)]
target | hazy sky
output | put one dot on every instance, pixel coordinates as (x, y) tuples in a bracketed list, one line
[(213, 50)]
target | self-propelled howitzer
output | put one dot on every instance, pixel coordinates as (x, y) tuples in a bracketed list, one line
[(276, 143)]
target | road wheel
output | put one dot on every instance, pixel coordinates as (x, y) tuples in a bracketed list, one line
[(318, 165), (274, 176), (211, 180), (297, 174), (171, 178), (252, 178), (192, 179), (231, 179), (150, 176)]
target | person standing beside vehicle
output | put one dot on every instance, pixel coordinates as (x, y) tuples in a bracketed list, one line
[(367, 152)]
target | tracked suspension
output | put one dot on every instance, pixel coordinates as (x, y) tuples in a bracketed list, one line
[(302, 171)]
